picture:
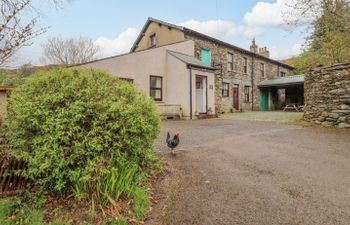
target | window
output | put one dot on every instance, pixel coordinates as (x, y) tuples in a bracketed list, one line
[(283, 74), (245, 68), (262, 69), (153, 40), (246, 93), (229, 61), (156, 88), (225, 90), (205, 56)]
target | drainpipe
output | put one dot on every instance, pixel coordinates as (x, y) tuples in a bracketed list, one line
[(190, 68), (252, 78)]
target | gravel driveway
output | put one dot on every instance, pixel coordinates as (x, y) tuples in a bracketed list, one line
[(243, 172)]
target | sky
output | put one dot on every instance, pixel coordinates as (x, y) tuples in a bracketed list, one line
[(113, 25)]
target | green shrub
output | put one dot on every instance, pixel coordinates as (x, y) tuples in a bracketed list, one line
[(74, 127)]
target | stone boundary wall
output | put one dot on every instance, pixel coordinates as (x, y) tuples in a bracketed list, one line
[(327, 96)]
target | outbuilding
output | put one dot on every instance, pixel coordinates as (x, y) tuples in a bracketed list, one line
[(180, 84), (275, 93)]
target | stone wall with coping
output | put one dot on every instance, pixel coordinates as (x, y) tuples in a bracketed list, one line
[(327, 96)]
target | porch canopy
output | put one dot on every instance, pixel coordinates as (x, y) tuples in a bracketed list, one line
[(283, 82)]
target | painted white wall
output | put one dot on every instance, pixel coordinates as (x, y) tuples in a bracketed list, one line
[(140, 65)]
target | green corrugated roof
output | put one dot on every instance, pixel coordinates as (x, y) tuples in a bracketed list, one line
[(190, 60), (283, 81)]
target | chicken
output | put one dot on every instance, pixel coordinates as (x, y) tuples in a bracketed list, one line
[(173, 143)]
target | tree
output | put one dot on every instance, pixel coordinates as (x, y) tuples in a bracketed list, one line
[(329, 40), (18, 22), (69, 51), (14, 32)]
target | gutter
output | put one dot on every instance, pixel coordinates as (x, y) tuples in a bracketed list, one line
[(252, 78), (190, 68)]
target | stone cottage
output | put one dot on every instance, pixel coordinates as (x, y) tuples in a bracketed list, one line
[(238, 71)]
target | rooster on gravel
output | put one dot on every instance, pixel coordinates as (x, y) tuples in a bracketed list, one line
[(174, 142)]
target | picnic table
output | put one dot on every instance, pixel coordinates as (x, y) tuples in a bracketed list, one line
[(294, 107)]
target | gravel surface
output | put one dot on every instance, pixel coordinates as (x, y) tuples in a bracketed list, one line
[(242, 172)]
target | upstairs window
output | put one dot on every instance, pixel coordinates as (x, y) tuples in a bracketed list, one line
[(153, 40), (245, 65), (205, 56), (246, 94), (282, 74), (262, 69), (225, 89), (156, 88), (229, 61)]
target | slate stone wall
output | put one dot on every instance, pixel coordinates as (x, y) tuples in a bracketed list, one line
[(327, 96), (237, 77)]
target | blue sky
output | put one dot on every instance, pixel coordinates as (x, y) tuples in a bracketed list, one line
[(114, 24)]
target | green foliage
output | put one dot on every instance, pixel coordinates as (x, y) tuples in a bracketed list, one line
[(329, 42), (26, 209), (16, 76), (10, 80), (79, 128), (110, 183), (5, 209), (142, 202), (119, 221)]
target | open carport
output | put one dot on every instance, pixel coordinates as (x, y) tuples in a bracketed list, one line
[(277, 92)]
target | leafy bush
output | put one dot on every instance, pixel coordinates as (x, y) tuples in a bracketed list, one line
[(77, 127)]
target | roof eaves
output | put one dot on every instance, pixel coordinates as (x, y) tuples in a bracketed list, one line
[(188, 63)]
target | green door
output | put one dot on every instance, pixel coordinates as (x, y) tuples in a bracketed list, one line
[(264, 100), (205, 55)]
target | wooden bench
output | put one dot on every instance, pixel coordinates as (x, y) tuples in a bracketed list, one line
[(292, 107)]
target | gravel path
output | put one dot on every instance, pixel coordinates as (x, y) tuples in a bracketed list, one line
[(241, 172)]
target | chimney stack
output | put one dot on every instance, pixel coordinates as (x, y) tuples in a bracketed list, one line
[(264, 52), (254, 47)]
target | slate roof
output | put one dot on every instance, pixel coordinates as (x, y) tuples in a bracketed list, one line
[(190, 60), (196, 33), (283, 81)]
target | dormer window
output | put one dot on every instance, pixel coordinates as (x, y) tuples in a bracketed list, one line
[(153, 40)]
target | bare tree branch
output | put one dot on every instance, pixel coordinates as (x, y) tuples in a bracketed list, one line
[(69, 51), (18, 26)]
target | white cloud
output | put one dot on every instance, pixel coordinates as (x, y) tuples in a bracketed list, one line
[(276, 14), (121, 44), (284, 53), (222, 29)]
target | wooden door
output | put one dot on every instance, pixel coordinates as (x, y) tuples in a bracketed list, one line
[(264, 100), (235, 98)]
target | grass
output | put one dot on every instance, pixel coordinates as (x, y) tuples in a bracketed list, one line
[(278, 117), (10, 213)]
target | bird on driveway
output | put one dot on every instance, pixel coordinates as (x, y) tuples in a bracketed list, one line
[(174, 142)]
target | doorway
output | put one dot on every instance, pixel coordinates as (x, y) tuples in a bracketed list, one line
[(201, 94), (264, 100), (235, 98)]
